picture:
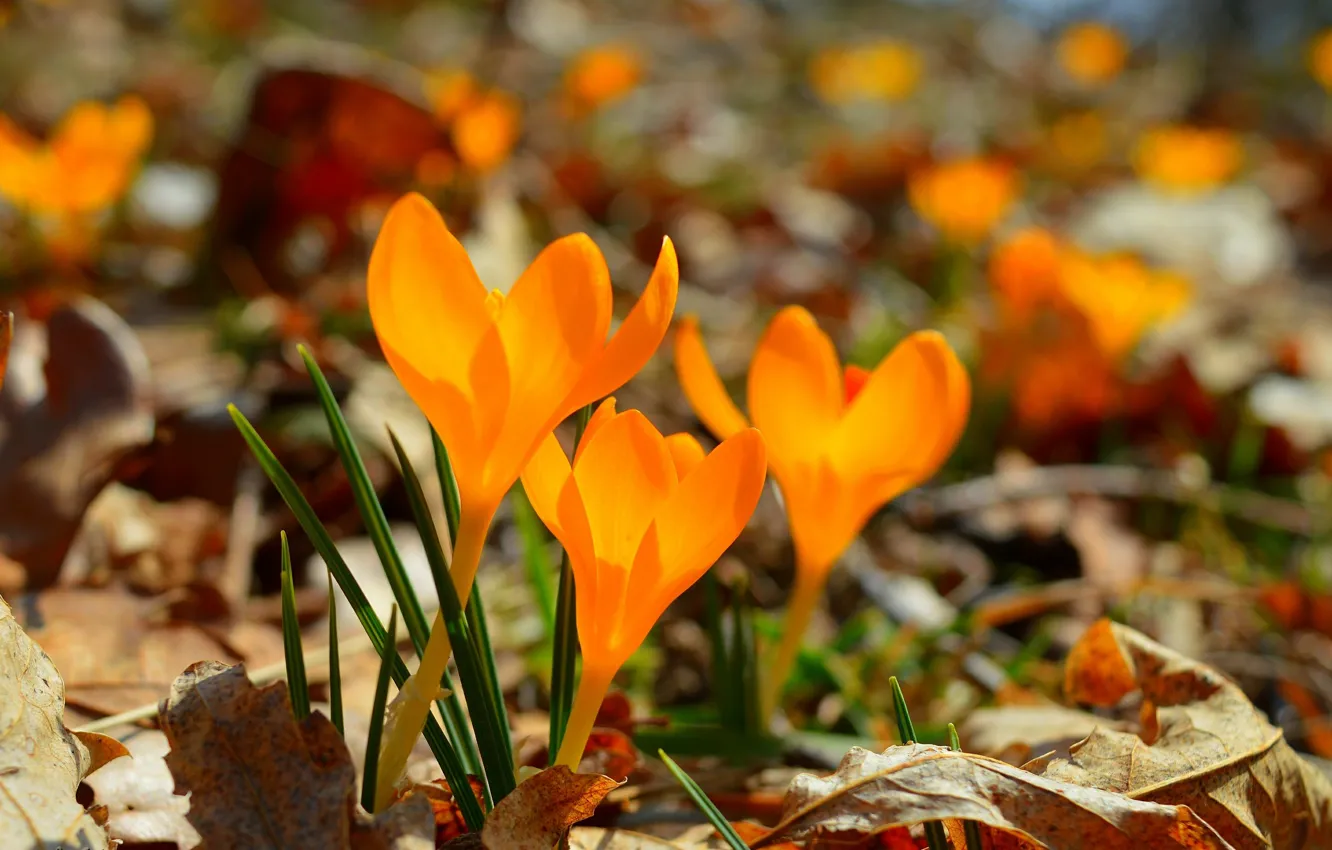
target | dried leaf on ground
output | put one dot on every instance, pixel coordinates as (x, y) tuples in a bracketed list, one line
[(64, 424), (542, 808), (139, 796), (1204, 745), (1015, 733), (257, 779), (41, 762), (911, 784), (596, 838)]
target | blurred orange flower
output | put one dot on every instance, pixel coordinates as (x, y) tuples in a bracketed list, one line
[(495, 374), (1121, 297), (1092, 53), (601, 75), (965, 198), (1024, 272), (1187, 159), (883, 70), (1320, 59), (838, 456), (642, 517), (85, 165), (483, 124), (448, 91)]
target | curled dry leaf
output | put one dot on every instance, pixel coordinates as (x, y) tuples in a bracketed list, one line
[(41, 762), (73, 405), (541, 809), (1203, 745), (911, 784), (257, 779), (138, 795)]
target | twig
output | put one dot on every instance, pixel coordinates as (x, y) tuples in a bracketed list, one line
[(1121, 482), (243, 537)]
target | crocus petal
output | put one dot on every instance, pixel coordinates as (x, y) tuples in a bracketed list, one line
[(686, 453), (624, 473), (637, 337), (795, 388), (692, 529), (604, 413), (548, 482), (701, 384), (426, 302), (904, 414), (552, 323), (957, 406)]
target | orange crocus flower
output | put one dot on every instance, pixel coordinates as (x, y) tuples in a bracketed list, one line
[(1320, 59), (841, 443), (600, 75), (84, 166), (1024, 272), (885, 70), (1120, 297), (1092, 53), (964, 199), (642, 517), (495, 374), (1188, 160)]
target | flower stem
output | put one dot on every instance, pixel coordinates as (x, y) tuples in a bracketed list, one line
[(804, 599), (407, 715), (592, 688)]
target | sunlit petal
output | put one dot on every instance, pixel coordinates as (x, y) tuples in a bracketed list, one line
[(795, 388), (686, 453), (548, 482), (637, 337), (701, 384), (604, 413)]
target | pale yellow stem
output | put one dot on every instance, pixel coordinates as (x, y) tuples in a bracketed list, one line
[(407, 715), (799, 611), (592, 688)]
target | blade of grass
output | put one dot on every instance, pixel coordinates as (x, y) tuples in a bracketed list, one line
[(934, 831), (334, 662), (744, 660), (297, 686), (440, 745), (476, 670), (564, 654), (476, 621), (710, 811), (448, 485), (540, 572), (970, 828), (377, 710), (723, 683), (377, 527)]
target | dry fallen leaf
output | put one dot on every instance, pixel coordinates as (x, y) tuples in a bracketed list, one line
[(74, 403), (1204, 745), (1014, 733), (41, 762), (914, 783), (139, 795), (596, 838), (257, 779), (542, 808)]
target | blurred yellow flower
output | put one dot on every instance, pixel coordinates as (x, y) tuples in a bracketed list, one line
[(642, 517), (883, 70), (1024, 272), (601, 75), (1120, 297), (85, 165), (485, 130), (1187, 160), (1320, 59), (448, 91), (964, 199), (1092, 53), (841, 443)]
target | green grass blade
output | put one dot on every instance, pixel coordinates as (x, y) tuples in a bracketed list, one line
[(334, 663), (729, 711), (970, 828), (443, 750), (564, 652), (448, 484), (905, 729), (368, 506), (744, 661), (377, 711), (476, 621), (540, 571), (439, 569), (710, 811), (297, 685)]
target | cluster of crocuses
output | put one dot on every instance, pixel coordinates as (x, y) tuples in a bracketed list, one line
[(642, 516)]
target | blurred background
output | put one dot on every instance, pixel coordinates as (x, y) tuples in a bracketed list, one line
[(1119, 213)]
